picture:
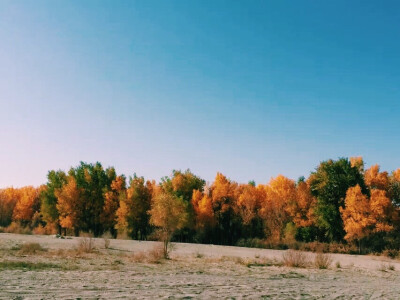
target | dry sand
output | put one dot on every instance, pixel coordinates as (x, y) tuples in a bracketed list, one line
[(195, 271)]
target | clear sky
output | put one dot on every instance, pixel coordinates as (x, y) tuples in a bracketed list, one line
[(248, 88)]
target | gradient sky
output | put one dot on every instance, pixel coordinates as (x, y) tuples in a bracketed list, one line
[(248, 88)]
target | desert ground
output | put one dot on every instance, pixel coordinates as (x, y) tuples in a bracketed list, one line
[(126, 270)]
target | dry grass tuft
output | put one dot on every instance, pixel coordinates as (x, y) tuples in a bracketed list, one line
[(322, 260), (154, 256), (106, 239), (31, 248), (295, 259), (86, 244)]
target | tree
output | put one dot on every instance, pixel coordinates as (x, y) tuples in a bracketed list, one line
[(8, 199), (55, 180), (168, 212), (228, 223), (357, 216), (249, 199), (383, 211), (28, 203), (394, 187), (132, 216), (329, 184), (69, 205), (279, 193), (93, 182), (111, 204), (182, 184), (375, 179)]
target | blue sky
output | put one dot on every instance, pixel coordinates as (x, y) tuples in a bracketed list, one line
[(252, 89)]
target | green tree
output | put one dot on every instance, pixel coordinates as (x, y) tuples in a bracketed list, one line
[(182, 184), (55, 180), (132, 214), (94, 182), (329, 184)]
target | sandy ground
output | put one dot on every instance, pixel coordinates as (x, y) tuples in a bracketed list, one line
[(195, 271)]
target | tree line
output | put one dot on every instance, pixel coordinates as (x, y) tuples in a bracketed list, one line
[(339, 202)]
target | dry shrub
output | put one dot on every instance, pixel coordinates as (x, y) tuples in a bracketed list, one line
[(31, 248), (322, 260), (392, 253), (295, 259), (154, 256), (44, 230), (15, 227), (106, 239), (123, 236), (385, 267), (86, 243)]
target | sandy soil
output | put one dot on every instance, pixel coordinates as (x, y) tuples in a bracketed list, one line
[(195, 271)]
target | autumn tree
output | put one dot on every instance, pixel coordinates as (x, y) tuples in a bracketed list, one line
[(69, 205), (28, 203), (356, 214), (55, 180), (169, 213), (111, 203), (94, 182), (329, 184), (383, 212), (8, 199), (182, 184), (279, 193), (204, 215), (132, 216), (249, 199), (228, 223), (394, 187), (375, 179)]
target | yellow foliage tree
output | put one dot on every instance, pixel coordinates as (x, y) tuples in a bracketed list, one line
[(357, 218), (69, 204), (28, 203), (302, 209), (204, 214), (375, 179), (169, 213), (279, 193)]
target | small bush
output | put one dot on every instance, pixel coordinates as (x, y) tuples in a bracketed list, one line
[(12, 265), (322, 260), (338, 265), (295, 259), (86, 243), (154, 256), (15, 227), (31, 248), (44, 230), (392, 253), (106, 239)]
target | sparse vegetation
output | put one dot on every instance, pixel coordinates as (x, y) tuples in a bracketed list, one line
[(295, 259), (106, 239), (86, 243), (31, 248), (32, 266), (322, 260)]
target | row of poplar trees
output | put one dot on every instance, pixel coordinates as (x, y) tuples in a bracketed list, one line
[(339, 201)]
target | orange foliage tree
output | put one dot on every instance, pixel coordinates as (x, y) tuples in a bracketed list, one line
[(28, 203), (168, 213), (69, 204), (375, 179), (279, 193)]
